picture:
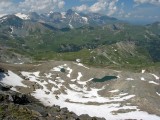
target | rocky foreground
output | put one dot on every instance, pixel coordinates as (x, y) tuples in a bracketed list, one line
[(17, 106), (68, 90)]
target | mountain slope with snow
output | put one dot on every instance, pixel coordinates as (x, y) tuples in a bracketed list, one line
[(74, 88), (22, 16)]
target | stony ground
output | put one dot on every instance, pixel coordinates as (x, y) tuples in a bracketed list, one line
[(133, 95), (16, 106)]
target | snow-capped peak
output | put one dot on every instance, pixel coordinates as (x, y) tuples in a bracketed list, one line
[(1, 15), (22, 16), (85, 19), (51, 12), (77, 14), (63, 14), (2, 19)]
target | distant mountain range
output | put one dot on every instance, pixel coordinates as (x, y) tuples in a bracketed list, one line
[(37, 34), (70, 19)]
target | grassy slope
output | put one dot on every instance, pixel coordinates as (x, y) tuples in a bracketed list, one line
[(47, 45)]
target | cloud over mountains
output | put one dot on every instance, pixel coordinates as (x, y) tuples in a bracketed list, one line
[(108, 6), (42, 6), (117, 8)]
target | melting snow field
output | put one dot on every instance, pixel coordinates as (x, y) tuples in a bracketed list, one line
[(93, 110), (77, 96), (12, 79)]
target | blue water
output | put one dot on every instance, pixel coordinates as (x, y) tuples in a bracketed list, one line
[(106, 78)]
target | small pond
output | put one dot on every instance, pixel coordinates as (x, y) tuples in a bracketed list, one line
[(106, 78)]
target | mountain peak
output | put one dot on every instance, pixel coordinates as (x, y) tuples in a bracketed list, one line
[(22, 16), (70, 12)]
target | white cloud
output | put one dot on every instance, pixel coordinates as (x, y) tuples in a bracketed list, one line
[(42, 6), (98, 6), (112, 7), (5, 3), (61, 4), (81, 8), (155, 2), (106, 6)]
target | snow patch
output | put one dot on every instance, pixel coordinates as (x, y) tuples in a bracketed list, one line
[(142, 78), (118, 76), (11, 29), (63, 14), (129, 79), (19, 63), (113, 91), (14, 89), (22, 16), (158, 93), (48, 75), (77, 14), (80, 64), (12, 79), (38, 65), (2, 19), (157, 78), (75, 87), (33, 76), (70, 71), (143, 71), (78, 60), (153, 82), (70, 25), (52, 82), (84, 82), (85, 19), (79, 75), (58, 68)]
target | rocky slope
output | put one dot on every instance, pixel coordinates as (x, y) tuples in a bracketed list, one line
[(18, 106), (130, 95)]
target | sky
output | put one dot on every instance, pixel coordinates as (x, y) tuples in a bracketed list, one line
[(131, 10)]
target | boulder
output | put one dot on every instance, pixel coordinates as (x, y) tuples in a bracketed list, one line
[(3, 70), (5, 87), (20, 99)]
